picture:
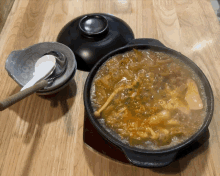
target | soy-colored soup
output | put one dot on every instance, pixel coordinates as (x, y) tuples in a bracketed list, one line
[(149, 99)]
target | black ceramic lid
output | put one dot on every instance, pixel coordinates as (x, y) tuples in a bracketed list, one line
[(92, 36)]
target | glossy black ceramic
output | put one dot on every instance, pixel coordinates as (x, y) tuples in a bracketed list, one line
[(91, 36), (143, 157)]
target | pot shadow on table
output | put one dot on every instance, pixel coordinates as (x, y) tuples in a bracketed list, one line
[(38, 116), (93, 141)]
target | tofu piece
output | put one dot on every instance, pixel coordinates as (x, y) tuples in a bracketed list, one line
[(175, 103), (159, 117), (192, 96), (173, 122)]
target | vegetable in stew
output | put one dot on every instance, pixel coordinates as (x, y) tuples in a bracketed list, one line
[(149, 97)]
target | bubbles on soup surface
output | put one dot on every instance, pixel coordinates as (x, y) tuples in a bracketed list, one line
[(148, 99)]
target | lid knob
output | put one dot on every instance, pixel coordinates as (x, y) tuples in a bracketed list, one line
[(93, 25)]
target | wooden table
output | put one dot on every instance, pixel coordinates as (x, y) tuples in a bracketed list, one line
[(44, 136)]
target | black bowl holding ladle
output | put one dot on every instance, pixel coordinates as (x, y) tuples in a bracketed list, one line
[(20, 65)]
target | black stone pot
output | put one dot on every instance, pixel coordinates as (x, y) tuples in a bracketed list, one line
[(143, 157)]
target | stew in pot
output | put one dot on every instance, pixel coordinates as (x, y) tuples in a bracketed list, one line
[(149, 98)]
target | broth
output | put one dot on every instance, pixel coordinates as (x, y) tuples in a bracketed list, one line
[(148, 99)]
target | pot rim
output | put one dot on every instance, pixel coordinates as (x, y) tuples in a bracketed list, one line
[(109, 137)]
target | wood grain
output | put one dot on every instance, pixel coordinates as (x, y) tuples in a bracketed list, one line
[(5, 8), (44, 135)]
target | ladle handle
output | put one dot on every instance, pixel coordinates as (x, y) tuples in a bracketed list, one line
[(22, 94)]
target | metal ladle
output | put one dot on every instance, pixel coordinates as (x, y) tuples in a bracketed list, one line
[(60, 67)]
